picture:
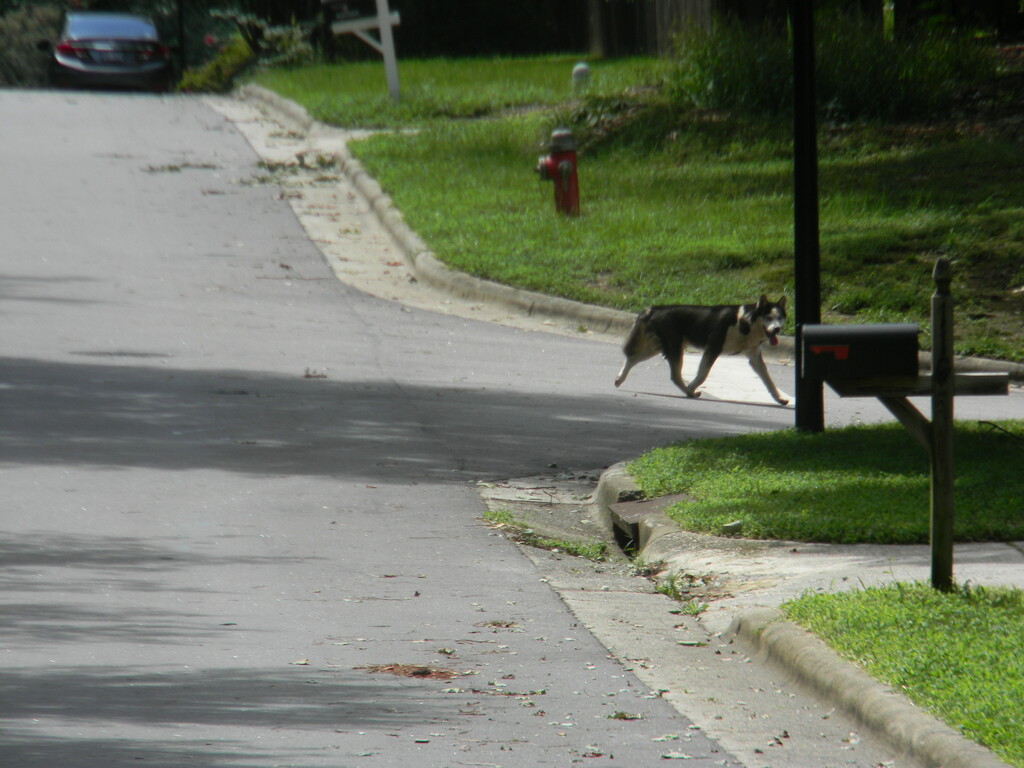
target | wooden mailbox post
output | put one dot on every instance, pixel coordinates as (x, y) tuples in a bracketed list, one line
[(839, 354)]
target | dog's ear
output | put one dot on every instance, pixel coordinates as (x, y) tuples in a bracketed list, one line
[(743, 324), (782, 303)]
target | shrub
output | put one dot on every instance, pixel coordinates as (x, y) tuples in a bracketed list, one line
[(734, 67), (21, 64), (287, 45), (860, 73), (219, 73)]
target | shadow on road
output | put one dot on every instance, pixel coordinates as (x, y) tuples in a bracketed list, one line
[(238, 699), (88, 414)]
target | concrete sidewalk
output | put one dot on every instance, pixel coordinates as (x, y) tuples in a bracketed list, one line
[(755, 577)]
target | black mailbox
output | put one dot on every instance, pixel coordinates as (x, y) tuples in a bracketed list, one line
[(849, 352)]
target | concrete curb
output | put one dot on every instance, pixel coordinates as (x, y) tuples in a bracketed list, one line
[(878, 707), (297, 117), (810, 661)]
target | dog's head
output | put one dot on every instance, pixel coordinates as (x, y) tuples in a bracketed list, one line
[(768, 316)]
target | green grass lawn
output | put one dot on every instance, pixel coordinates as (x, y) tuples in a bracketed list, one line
[(354, 94), (861, 484), (691, 207), (959, 656)]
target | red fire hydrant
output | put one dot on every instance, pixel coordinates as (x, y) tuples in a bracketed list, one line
[(560, 167)]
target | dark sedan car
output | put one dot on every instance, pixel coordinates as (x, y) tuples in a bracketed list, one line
[(109, 50)]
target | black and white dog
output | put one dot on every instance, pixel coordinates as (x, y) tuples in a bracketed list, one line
[(727, 328)]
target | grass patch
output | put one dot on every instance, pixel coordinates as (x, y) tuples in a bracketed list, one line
[(505, 521), (687, 589), (485, 212), (354, 94), (861, 484), (712, 228), (958, 655)]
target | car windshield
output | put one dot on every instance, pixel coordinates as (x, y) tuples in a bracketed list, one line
[(99, 26)]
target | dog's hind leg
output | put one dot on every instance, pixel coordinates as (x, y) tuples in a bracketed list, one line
[(641, 345), (757, 363)]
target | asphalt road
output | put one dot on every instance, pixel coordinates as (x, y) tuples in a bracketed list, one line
[(232, 483), (239, 495)]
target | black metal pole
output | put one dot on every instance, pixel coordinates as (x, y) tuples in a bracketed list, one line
[(181, 36), (942, 504), (810, 403)]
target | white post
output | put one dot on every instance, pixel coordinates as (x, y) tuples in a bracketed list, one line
[(387, 41)]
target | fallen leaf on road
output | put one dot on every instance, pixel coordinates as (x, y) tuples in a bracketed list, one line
[(412, 670), (625, 716), (517, 694), (497, 624)]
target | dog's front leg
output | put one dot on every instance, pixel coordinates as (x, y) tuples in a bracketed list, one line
[(632, 360), (624, 371), (706, 361), (757, 363)]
